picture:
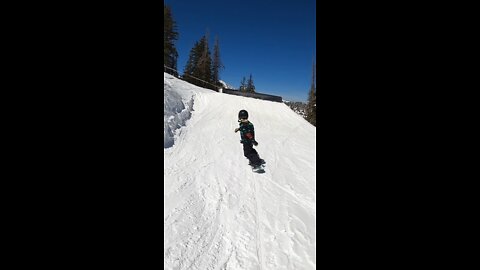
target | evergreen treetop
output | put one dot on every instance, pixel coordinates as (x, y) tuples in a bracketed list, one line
[(170, 35)]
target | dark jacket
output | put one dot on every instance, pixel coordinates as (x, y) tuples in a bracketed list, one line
[(247, 133)]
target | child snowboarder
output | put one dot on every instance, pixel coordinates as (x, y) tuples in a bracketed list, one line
[(247, 136)]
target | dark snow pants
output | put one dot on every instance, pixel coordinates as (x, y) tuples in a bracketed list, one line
[(251, 154)]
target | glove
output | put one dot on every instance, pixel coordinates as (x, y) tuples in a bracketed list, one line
[(255, 143), (237, 129)]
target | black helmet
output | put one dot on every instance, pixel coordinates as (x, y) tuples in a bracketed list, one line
[(242, 114)]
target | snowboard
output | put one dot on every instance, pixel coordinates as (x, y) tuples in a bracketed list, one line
[(258, 169)]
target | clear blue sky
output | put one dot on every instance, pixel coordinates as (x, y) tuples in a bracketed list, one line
[(274, 40)]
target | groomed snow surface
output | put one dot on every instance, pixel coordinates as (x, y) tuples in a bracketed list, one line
[(218, 214)]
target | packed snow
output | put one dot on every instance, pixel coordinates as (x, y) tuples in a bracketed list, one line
[(218, 214)]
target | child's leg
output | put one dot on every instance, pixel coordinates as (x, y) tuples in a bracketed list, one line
[(251, 154)]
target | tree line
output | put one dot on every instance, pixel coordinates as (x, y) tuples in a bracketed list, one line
[(170, 35), (203, 65), (247, 86), (202, 68)]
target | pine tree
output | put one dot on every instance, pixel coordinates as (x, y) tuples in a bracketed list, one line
[(217, 63), (192, 62), (250, 85), (243, 85), (204, 65), (199, 65), (170, 35), (311, 110)]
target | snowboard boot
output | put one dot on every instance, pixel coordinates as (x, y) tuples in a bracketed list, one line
[(258, 169)]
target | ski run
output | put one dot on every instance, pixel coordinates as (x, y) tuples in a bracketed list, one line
[(218, 214)]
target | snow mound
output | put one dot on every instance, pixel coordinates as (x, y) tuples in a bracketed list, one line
[(177, 107), (226, 85), (175, 114)]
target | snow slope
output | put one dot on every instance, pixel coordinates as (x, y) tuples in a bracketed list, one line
[(218, 214)]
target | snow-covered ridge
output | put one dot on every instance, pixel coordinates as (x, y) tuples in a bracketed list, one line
[(177, 107), (226, 85), (175, 114)]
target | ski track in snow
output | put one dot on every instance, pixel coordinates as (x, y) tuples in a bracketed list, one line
[(218, 214)]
